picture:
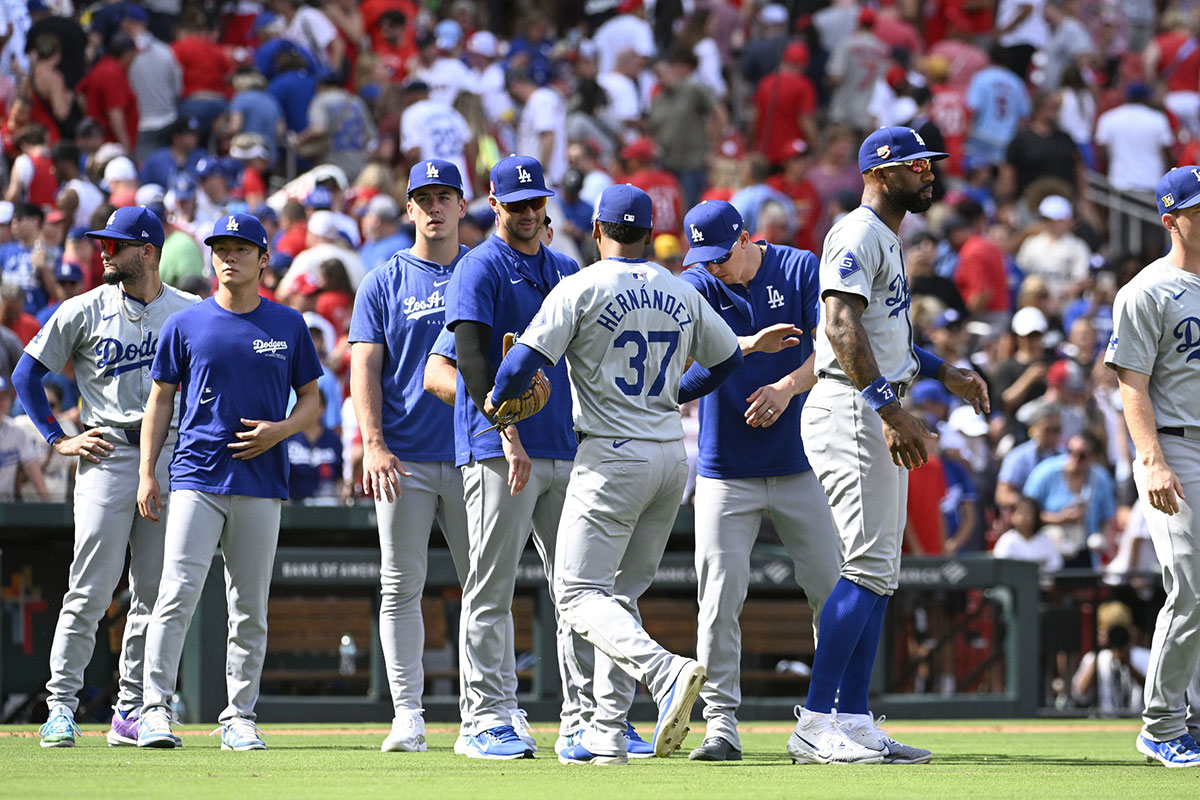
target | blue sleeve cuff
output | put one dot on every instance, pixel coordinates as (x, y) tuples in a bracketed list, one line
[(27, 380), (928, 365), (516, 371), (699, 381)]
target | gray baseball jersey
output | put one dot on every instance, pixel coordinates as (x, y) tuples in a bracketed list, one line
[(627, 329), (108, 335), (863, 256), (1156, 331)]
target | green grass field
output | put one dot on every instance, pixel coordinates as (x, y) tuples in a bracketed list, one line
[(978, 758)]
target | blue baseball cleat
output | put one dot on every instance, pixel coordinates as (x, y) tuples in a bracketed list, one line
[(675, 708), (501, 742), (60, 729), (154, 729), (578, 754), (1182, 751), (240, 733), (635, 745)]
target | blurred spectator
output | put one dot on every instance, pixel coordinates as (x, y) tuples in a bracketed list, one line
[(315, 459), (382, 235), (684, 118), (255, 110), (324, 241), (668, 251), (998, 101), (108, 96), (1045, 441), (10, 351), (923, 280), (18, 264), (181, 152), (1134, 139), (753, 197), (1077, 112), (805, 201), (855, 63), (584, 157), (1069, 42), (340, 129), (206, 69), (156, 79), (58, 471), (336, 299), (980, 275), (293, 85), (625, 30), (1023, 376), (1077, 497), (55, 68), (1110, 679), (311, 29), (1173, 59), (623, 109), (77, 196), (70, 280), (431, 129), (445, 76), (32, 178), (13, 314), (1055, 254), (834, 173), (1025, 540), (947, 108), (541, 123), (1022, 31), (784, 108), (1042, 149), (644, 172), (18, 452)]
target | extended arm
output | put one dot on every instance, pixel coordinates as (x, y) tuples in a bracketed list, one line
[(1162, 484), (27, 380), (471, 343), (379, 464), (160, 407), (699, 380), (441, 378)]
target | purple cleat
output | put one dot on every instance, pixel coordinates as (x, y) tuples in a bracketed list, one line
[(124, 730)]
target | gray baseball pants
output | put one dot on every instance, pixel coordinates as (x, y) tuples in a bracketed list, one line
[(1171, 680), (247, 530), (107, 524), (868, 494), (617, 517), (498, 526), (434, 490), (728, 517)]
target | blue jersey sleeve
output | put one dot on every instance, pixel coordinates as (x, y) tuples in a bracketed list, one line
[(444, 345), (809, 285), (169, 361), (368, 320), (472, 293)]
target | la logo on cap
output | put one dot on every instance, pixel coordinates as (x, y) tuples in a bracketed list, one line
[(697, 234), (523, 175), (111, 219), (917, 136), (431, 171), (231, 225)]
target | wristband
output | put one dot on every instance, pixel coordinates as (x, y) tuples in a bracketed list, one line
[(55, 434), (879, 393), (928, 365)]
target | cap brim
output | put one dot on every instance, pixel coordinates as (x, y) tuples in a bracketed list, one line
[(453, 186), (111, 234), (523, 194), (209, 241), (1192, 203), (932, 155), (698, 255)]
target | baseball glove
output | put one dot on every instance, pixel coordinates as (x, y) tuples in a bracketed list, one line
[(526, 404)]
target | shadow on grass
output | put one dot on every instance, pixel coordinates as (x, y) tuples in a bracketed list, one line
[(1009, 759)]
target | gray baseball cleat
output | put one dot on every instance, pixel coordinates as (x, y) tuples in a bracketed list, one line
[(715, 748)]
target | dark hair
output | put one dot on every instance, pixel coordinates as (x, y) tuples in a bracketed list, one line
[(65, 151), (1034, 505), (624, 234), (392, 17), (682, 54), (27, 210), (969, 210), (1118, 637), (334, 276)]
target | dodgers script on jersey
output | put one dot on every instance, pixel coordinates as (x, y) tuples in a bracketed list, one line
[(1156, 331), (863, 256), (627, 329), (109, 335)]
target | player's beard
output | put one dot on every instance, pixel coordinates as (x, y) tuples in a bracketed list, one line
[(914, 202), (129, 272)]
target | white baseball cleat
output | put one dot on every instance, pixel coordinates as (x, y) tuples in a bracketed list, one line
[(675, 708), (864, 729), (818, 739), (408, 734), (520, 723)]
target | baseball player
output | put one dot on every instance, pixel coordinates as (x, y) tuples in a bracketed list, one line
[(111, 334), (497, 288), (627, 328), (751, 457), (398, 314), (233, 358), (861, 442), (1156, 330)]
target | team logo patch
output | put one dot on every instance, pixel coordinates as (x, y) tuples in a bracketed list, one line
[(917, 136), (774, 298), (883, 151), (628, 217), (848, 266), (231, 225), (523, 175), (270, 347), (1168, 200), (639, 275), (697, 234), (431, 171)]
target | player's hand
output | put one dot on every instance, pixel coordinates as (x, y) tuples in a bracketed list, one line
[(262, 436), (149, 497), (89, 444), (905, 435), (968, 385), (767, 405), (519, 463), (489, 409), (379, 474), (1163, 489), (771, 339)]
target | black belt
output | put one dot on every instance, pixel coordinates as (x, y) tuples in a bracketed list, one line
[(899, 388), (132, 435), (579, 437)]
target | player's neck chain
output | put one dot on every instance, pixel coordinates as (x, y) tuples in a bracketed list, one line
[(128, 314)]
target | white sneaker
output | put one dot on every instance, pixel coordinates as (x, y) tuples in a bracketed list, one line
[(520, 723), (154, 729), (240, 734), (818, 739), (408, 734), (864, 730)]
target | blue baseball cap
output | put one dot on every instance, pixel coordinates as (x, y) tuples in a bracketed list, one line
[(434, 172), (893, 145), (239, 226), (931, 391), (70, 272), (1178, 189), (711, 228), (518, 178), (625, 204), (131, 224), (207, 167), (320, 197)]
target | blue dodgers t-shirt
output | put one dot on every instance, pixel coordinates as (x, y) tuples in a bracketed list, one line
[(499, 287), (402, 305), (314, 466), (231, 367), (786, 289)]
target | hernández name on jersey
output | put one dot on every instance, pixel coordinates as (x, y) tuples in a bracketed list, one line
[(634, 299)]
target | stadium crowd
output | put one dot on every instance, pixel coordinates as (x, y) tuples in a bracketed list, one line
[(308, 115)]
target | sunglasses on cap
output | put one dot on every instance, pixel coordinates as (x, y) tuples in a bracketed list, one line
[(520, 206), (114, 246), (917, 165)]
